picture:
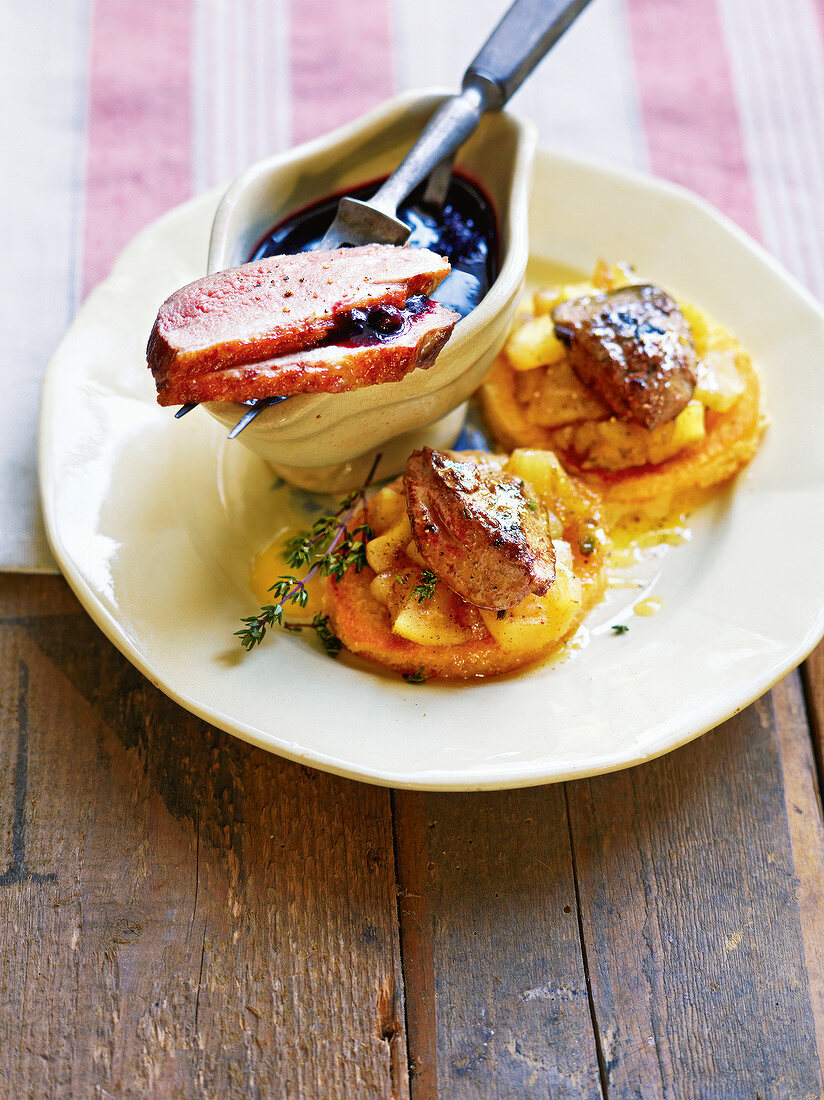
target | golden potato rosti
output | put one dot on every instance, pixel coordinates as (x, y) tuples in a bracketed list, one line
[(547, 406), (398, 614)]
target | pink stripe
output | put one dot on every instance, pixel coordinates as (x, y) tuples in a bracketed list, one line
[(818, 6), (687, 96), (341, 62), (139, 127)]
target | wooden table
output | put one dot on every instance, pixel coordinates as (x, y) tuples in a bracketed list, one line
[(182, 915)]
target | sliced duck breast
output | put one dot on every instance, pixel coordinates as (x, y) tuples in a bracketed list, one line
[(331, 367), (280, 305)]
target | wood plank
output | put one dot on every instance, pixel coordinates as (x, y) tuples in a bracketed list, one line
[(803, 806), (691, 917), (414, 869), (496, 993), (813, 676), (221, 922), (34, 595)]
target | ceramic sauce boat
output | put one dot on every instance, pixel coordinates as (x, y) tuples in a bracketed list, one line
[(330, 441)]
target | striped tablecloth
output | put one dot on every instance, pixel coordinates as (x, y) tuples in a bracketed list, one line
[(114, 111)]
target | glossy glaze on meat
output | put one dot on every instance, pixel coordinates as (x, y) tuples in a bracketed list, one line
[(633, 348), (357, 360), (280, 305), (476, 529)]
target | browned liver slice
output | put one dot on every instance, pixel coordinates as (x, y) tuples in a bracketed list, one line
[(475, 528), (633, 348)]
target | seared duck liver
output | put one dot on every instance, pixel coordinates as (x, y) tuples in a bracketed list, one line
[(477, 530), (633, 348)]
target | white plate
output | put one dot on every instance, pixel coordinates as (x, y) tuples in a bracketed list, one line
[(154, 523)]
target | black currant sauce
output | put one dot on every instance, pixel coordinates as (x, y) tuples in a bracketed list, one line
[(464, 231), (360, 328)]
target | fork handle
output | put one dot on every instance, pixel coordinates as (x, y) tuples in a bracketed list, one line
[(521, 39), (448, 129), (524, 35)]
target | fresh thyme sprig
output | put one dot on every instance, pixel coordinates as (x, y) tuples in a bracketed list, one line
[(426, 589), (326, 636), (285, 590), (303, 547), (330, 548)]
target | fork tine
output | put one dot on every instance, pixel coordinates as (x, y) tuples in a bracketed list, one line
[(359, 223), (255, 410), (437, 186)]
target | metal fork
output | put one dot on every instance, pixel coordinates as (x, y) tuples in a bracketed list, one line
[(522, 38), (519, 42)]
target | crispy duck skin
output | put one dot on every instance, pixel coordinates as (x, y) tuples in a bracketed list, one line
[(280, 305), (328, 368), (477, 531), (633, 348)]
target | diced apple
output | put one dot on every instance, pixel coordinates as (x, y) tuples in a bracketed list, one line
[(431, 621), (611, 276), (381, 550), (687, 429), (698, 322), (381, 587), (414, 554), (542, 470), (719, 381), (385, 508), (539, 620), (546, 299), (534, 344), (546, 475)]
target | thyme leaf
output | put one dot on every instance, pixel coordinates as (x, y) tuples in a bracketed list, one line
[(426, 589), (619, 628), (330, 548), (326, 636), (417, 677)]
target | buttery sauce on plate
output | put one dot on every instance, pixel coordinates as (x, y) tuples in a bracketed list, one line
[(632, 534), (648, 607), (270, 565)]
